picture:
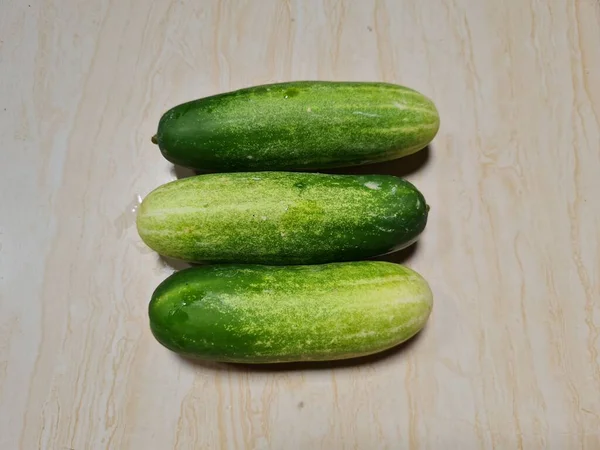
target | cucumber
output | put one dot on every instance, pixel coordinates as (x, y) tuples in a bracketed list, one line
[(303, 125), (281, 218), (267, 314)]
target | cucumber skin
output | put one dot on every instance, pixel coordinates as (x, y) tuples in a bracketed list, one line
[(281, 218), (271, 314), (302, 125)]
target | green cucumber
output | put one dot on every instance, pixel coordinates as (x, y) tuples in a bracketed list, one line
[(303, 125), (281, 217), (267, 314)]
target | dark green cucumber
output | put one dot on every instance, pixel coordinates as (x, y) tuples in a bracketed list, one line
[(303, 125), (267, 314), (281, 217)]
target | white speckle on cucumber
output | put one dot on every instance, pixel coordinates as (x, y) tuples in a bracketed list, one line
[(360, 113)]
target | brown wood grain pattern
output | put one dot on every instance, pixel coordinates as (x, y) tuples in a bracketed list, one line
[(511, 355)]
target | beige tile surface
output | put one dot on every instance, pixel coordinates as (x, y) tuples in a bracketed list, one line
[(510, 358)]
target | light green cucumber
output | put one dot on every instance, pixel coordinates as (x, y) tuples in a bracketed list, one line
[(281, 217)]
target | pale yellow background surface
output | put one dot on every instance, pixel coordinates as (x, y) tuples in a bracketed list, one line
[(510, 358)]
